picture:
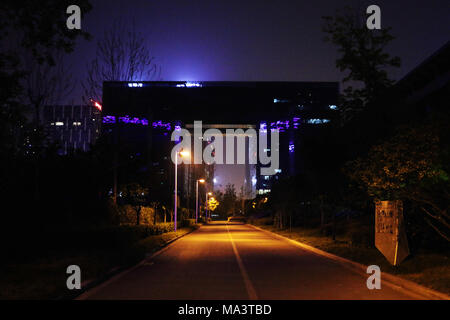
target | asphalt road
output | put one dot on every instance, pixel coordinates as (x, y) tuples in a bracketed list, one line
[(237, 261)]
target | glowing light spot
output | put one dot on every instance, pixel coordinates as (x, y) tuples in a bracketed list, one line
[(291, 147), (189, 84)]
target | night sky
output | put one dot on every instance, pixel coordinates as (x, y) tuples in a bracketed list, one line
[(257, 40)]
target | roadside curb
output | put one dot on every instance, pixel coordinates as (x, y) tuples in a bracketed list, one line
[(92, 286), (394, 282)]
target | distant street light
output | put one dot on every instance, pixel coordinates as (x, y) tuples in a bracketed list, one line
[(182, 154), (207, 194), (196, 198)]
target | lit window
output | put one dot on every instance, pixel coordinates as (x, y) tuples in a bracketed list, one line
[(193, 84), (318, 121), (189, 85), (59, 123), (280, 100), (135, 85), (266, 177), (291, 147)]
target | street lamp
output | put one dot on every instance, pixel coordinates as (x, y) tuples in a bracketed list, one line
[(196, 198), (181, 153), (207, 194)]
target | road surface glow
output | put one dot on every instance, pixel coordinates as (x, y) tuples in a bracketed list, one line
[(236, 261)]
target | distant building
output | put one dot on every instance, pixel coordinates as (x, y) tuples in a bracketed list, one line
[(145, 114), (427, 87), (72, 127)]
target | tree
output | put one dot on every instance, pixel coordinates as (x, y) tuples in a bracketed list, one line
[(46, 83), (412, 165), (39, 28), (122, 55), (212, 204), (227, 201), (136, 196), (363, 55)]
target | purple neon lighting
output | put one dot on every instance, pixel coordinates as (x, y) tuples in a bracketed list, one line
[(291, 147), (133, 120), (160, 124), (280, 125)]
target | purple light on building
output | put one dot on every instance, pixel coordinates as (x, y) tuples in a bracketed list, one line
[(160, 124), (263, 127), (127, 119), (291, 147), (109, 119)]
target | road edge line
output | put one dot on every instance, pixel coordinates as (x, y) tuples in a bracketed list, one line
[(95, 285), (412, 288)]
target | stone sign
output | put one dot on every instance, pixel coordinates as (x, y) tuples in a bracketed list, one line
[(390, 235)]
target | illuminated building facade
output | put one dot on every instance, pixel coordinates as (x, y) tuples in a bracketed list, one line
[(72, 127), (155, 108)]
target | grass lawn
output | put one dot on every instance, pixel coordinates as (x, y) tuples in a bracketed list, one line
[(429, 269), (45, 278)]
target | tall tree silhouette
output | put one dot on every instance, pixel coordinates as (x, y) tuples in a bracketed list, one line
[(362, 55)]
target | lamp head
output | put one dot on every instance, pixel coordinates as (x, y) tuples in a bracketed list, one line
[(184, 153)]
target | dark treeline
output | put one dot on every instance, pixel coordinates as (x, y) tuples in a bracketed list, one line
[(389, 145)]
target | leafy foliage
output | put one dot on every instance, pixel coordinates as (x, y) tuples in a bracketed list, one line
[(135, 195), (41, 25), (412, 165), (363, 55), (37, 28), (122, 55)]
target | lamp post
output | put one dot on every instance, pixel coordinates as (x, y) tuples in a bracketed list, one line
[(207, 194), (182, 153), (196, 198)]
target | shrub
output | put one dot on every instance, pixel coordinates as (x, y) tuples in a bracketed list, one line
[(364, 236), (128, 215), (266, 221), (188, 223), (147, 215), (185, 214)]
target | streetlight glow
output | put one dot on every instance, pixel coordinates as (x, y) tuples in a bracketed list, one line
[(181, 153), (196, 198)]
